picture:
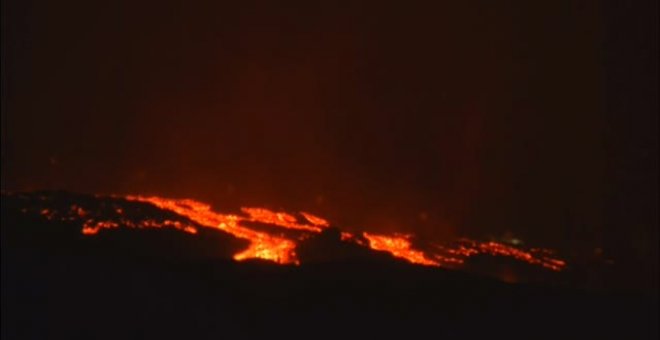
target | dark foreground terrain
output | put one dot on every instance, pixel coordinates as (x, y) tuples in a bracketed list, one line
[(143, 284)]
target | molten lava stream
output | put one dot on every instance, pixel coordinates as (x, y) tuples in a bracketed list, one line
[(280, 249), (398, 246), (262, 245)]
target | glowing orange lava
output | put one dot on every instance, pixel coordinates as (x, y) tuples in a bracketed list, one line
[(262, 245), (315, 220), (398, 246), (279, 219), (274, 245), (468, 248)]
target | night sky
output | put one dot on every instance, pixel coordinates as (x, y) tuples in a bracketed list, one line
[(537, 118)]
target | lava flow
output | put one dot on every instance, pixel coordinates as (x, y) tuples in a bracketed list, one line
[(269, 241), (398, 246), (282, 250), (262, 245)]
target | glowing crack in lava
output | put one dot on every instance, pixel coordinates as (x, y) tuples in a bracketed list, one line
[(272, 244), (466, 248), (398, 246)]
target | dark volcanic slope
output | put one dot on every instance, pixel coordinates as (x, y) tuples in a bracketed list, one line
[(57, 283), (48, 221)]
